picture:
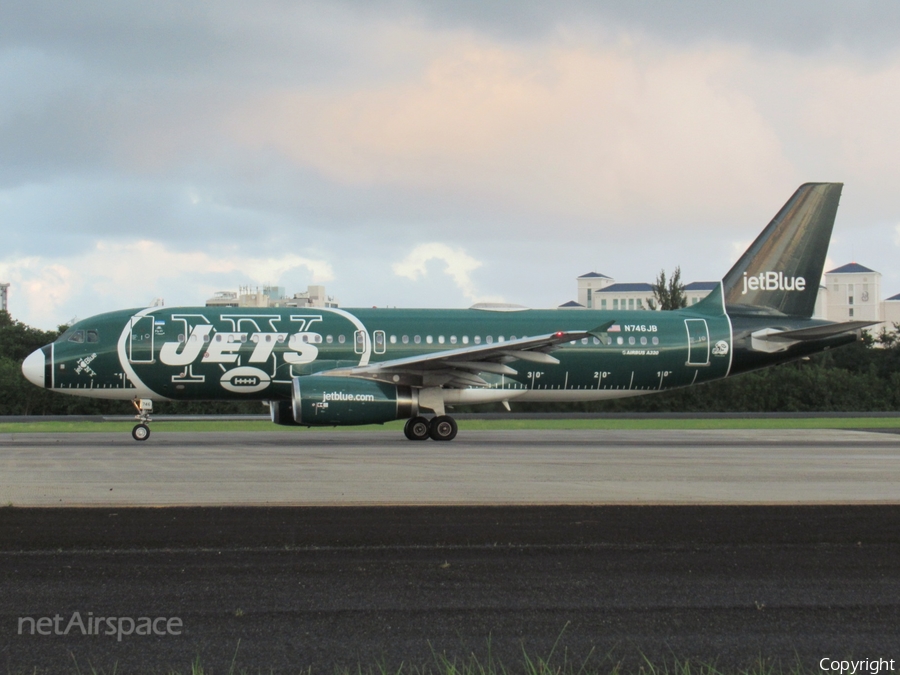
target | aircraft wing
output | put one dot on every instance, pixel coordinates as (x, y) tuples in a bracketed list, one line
[(460, 367)]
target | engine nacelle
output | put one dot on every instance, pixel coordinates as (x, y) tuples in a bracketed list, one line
[(329, 401), (282, 413)]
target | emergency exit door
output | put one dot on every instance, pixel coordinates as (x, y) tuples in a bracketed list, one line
[(698, 342)]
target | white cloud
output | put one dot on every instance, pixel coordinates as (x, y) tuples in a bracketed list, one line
[(570, 130), (42, 286), (459, 266), (47, 292), (623, 145)]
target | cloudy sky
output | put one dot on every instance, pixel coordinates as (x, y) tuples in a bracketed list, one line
[(428, 152)]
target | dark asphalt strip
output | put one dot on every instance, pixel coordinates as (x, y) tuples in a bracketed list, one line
[(299, 587), (351, 526)]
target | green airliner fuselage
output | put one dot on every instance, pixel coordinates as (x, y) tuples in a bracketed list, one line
[(319, 366), (237, 353)]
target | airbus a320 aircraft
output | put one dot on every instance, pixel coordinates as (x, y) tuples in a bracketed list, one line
[(324, 367)]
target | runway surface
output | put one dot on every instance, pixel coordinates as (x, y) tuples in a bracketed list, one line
[(293, 588), (479, 467)]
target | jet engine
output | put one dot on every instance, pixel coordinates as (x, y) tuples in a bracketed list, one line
[(330, 401)]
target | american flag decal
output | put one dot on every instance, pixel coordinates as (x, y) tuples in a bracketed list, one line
[(615, 329)]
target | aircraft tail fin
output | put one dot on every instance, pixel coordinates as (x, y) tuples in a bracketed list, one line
[(781, 270)]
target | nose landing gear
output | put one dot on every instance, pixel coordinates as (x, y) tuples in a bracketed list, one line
[(141, 431)]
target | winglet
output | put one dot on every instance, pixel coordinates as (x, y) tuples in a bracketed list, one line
[(600, 330)]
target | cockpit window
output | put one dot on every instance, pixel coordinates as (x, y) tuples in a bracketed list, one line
[(77, 336), (93, 336)]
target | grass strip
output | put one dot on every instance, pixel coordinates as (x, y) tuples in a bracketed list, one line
[(489, 664), (468, 425)]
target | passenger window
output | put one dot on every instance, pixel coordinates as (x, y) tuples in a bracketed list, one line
[(406, 339), (440, 339), (429, 339), (77, 336), (93, 336), (477, 339), (501, 339), (342, 339), (656, 340), (181, 337), (329, 339), (465, 339), (417, 339), (489, 339), (584, 340), (452, 339), (393, 339)]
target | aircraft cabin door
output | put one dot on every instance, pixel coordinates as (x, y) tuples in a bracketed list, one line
[(140, 340), (698, 342), (360, 341)]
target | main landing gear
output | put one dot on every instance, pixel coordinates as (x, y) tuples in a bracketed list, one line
[(141, 431), (440, 428)]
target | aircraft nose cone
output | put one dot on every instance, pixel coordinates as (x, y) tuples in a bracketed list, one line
[(33, 368)]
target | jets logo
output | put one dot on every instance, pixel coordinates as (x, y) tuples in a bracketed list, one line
[(245, 380)]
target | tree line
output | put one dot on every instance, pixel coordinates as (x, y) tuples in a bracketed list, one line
[(864, 376)]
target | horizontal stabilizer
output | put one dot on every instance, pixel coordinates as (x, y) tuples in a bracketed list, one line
[(771, 340), (819, 332)]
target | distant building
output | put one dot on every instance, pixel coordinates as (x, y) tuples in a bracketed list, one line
[(4, 297), (891, 311), (589, 284), (851, 292), (272, 296), (599, 291)]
